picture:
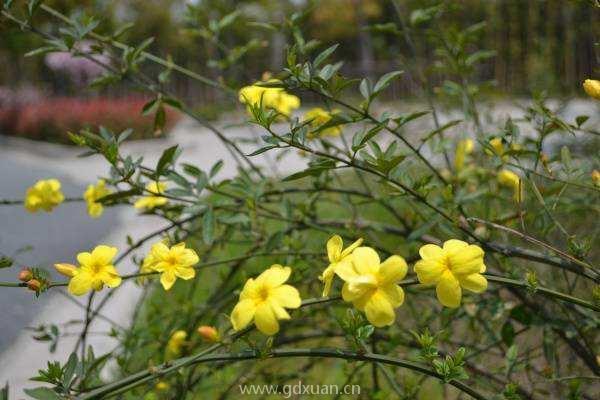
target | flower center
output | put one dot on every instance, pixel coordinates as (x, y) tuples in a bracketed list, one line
[(447, 264), (263, 293), (96, 267)]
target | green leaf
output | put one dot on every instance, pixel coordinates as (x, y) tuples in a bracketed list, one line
[(407, 118), (315, 169), (324, 55), (581, 119), (565, 156), (508, 333), (33, 5), (441, 129), (69, 369), (385, 80), (479, 56), (365, 88), (228, 19), (151, 106), (166, 159), (42, 393), (5, 262), (216, 168), (173, 102), (208, 226), (262, 150), (40, 51)]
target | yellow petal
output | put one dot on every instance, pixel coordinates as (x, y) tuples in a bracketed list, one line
[(345, 269), (104, 254), (448, 290), (454, 245), (365, 260), (327, 279), (112, 280), (379, 311), (351, 248), (66, 269), (84, 258), (250, 290), (392, 270), (185, 272), (287, 296), (429, 272), (275, 276), (278, 310), (189, 258), (265, 320), (159, 251), (80, 284), (394, 294), (141, 203), (348, 295), (167, 279), (361, 285), (474, 282), (334, 248), (431, 252), (467, 260), (242, 314)]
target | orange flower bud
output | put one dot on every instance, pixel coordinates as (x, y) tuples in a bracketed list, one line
[(34, 285), (25, 275), (208, 333)]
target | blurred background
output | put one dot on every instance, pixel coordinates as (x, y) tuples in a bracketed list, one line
[(539, 45)]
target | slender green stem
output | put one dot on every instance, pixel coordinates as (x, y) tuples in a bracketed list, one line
[(544, 291), (15, 202)]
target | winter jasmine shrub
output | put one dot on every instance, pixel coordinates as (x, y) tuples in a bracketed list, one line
[(448, 260)]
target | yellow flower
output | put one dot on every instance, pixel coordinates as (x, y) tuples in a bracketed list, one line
[(592, 88), (92, 194), (372, 286), (265, 299), (498, 148), (457, 264), (95, 271), (149, 202), (596, 177), (172, 263), (176, 343), (510, 179), (43, 195), (336, 255), (269, 97), (463, 148), (318, 117)]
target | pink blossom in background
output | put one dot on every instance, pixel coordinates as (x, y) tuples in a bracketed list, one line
[(80, 70)]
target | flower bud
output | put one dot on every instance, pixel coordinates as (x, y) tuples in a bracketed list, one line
[(65, 269), (34, 285), (25, 275), (162, 386), (592, 88), (208, 333), (596, 177)]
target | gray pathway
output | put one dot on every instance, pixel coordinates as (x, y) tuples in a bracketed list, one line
[(50, 237)]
